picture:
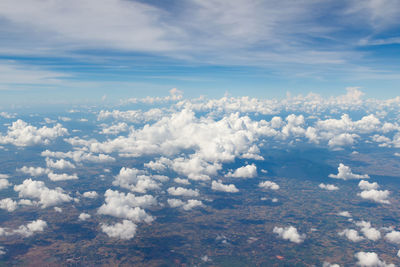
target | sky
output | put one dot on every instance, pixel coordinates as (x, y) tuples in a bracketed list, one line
[(56, 52)]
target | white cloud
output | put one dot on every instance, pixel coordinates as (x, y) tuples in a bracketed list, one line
[(4, 183), (329, 187), (22, 134), (351, 234), (370, 259), (61, 177), (159, 165), (58, 209), (380, 196), (28, 202), (59, 164), (115, 129), (343, 139), (8, 204), (37, 190), (393, 237), (134, 116), (328, 264), (289, 233), (34, 171), (219, 186), (174, 203), (31, 228), (124, 230), (195, 168), (90, 194), (180, 191), (212, 141), (182, 181), (268, 185), (345, 173), (84, 216), (127, 206), (4, 176), (79, 156), (192, 203), (2, 250), (345, 214), (293, 126), (135, 180), (368, 231), (248, 171), (365, 185)]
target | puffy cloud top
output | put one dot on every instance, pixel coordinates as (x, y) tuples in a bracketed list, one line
[(38, 190), (127, 206), (248, 171), (345, 173), (124, 230), (219, 186), (370, 259), (21, 133), (289, 233)]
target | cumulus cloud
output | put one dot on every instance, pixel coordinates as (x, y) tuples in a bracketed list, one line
[(219, 186), (135, 180), (365, 185), (351, 234), (115, 129), (180, 191), (21, 133), (174, 202), (345, 173), (329, 187), (38, 190), (212, 141), (4, 183), (90, 194), (289, 233), (84, 216), (61, 176), (368, 231), (182, 181), (345, 214), (124, 230), (135, 116), (370, 259), (195, 168), (158, 165), (127, 206), (79, 156), (59, 164), (190, 204), (248, 171), (343, 139), (269, 185), (393, 237), (34, 171), (58, 209), (328, 264), (31, 228), (380, 196), (8, 204)]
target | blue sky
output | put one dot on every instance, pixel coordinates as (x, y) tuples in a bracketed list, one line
[(76, 51)]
